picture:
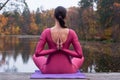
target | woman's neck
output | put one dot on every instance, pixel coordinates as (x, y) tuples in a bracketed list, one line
[(57, 24)]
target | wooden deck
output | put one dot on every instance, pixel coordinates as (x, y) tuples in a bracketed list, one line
[(90, 76)]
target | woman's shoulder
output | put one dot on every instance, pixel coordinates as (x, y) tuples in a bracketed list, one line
[(72, 31), (46, 30)]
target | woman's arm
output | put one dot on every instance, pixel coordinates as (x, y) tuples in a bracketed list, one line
[(77, 47), (40, 46)]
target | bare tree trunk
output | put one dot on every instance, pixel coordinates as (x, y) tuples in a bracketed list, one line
[(4, 4)]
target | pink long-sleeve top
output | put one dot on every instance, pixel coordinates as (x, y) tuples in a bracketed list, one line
[(71, 38), (55, 54)]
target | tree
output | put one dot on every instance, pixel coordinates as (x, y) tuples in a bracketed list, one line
[(115, 22), (84, 6), (87, 21), (38, 16), (12, 5), (87, 3), (105, 12), (26, 21), (33, 28), (3, 4), (108, 11)]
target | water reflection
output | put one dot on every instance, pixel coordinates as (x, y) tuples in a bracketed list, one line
[(16, 55), (16, 52), (101, 56)]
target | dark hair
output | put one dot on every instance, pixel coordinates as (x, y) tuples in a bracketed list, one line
[(60, 15)]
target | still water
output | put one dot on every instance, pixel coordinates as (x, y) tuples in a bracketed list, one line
[(16, 55)]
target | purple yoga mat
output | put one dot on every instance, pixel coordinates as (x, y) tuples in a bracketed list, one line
[(38, 75)]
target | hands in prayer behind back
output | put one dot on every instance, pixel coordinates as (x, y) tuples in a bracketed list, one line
[(59, 44)]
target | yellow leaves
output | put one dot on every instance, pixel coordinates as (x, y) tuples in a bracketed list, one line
[(17, 30), (33, 28), (108, 33), (13, 30)]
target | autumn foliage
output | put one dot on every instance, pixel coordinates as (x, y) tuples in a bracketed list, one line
[(100, 24)]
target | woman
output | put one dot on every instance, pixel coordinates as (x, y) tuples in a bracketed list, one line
[(60, 59)]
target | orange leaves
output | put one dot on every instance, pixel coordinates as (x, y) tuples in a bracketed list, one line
[(33, 28), (3, 22)]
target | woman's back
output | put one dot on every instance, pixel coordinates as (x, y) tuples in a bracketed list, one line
[(59, 33), (59, 58)]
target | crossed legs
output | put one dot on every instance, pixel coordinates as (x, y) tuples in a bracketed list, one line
[(77, 62), (39, 61)]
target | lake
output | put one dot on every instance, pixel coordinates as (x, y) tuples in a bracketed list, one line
[(16, 54)]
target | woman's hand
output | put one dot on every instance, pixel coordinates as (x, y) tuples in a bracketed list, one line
[(59, 44)]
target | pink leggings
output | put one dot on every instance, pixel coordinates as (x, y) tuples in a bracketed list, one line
[(54, 67)]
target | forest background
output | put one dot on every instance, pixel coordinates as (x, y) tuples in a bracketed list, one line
[(102, 23)]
